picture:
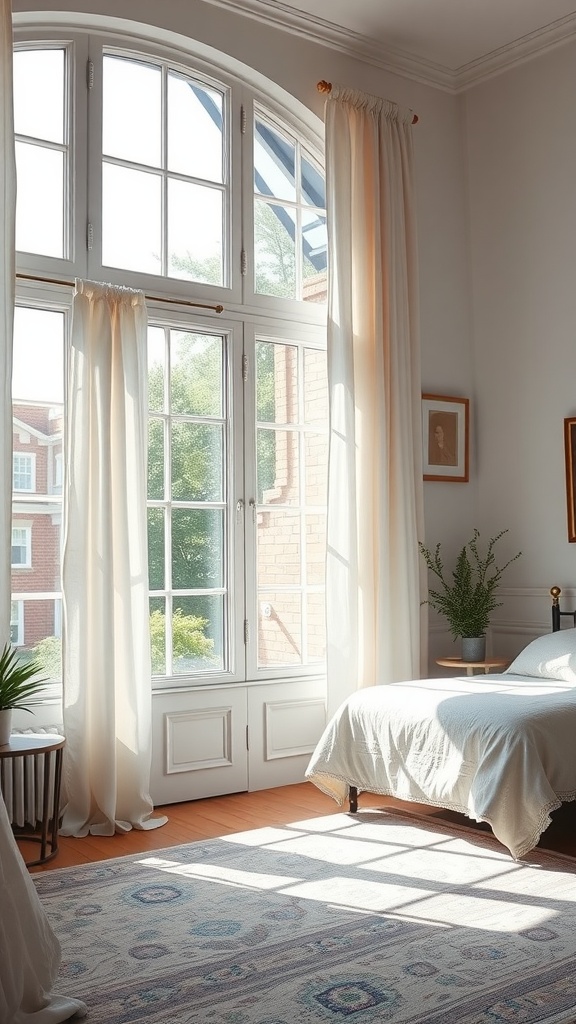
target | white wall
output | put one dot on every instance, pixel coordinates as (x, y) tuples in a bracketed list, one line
[(520, 132)]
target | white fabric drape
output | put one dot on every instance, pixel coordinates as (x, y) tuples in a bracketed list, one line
[(7, 281), (107, 671), (29, 949), (375, 496)]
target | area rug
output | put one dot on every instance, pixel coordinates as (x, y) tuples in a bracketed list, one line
[(346, 919)]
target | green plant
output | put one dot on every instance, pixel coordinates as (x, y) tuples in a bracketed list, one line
[(467, 598), (18, 687)]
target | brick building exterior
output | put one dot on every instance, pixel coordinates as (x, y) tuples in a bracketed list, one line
[(36, 522)]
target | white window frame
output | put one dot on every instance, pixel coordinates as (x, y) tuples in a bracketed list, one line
[(30, 459), (259, 313), (26, 530)]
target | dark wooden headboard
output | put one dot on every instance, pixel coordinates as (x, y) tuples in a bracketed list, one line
[(557, 613)]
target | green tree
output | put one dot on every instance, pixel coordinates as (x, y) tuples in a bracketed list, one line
[(188, 638)]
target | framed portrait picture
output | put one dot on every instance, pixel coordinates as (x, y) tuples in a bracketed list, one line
[(570, 457), (445, 428)]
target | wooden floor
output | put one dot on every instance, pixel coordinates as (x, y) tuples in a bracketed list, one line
[(222, 815)]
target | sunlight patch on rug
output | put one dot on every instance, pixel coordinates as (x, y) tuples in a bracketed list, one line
[(342, 919)]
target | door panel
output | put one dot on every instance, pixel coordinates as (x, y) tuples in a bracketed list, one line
[(285, 722), (198, 744)]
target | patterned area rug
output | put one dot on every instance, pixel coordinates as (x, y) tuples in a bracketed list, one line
[(349, 920)]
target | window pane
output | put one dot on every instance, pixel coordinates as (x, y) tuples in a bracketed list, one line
[(316, 469), (313, 188), (39, 94), (274, 250), (156, 368), (197, 548), (40, 200), (194, 129), (195, 232), (279, 547), (197, 462), (279, 629), (38, 369), (158, 635), (42, 634), (196, 380), (314, 246), (132, 111), (156, 549), (274, 163), (315, 609), (197, 634), (37, 389), (131, 219), (278, 467), (156, 459)]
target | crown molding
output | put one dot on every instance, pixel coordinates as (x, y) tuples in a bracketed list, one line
[(521, 50), (400, 62)]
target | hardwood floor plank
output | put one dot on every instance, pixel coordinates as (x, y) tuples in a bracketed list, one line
[(211, 818)]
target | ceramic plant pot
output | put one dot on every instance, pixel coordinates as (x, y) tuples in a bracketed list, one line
[(5, 725), (473, 648)]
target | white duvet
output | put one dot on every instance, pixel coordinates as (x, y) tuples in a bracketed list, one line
[(498, 748)]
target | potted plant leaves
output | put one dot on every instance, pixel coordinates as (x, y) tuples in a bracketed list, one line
[(20, 686), (467, 596)]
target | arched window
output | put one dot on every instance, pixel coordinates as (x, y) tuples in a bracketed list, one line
[(142, 167)]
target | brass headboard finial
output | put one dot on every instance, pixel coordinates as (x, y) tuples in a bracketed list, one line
[(555, 594)]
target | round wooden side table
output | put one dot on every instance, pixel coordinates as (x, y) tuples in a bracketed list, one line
[(488, 665), (31, 774)]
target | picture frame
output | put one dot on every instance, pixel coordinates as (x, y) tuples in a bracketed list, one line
[(570, 461), (445, 438)]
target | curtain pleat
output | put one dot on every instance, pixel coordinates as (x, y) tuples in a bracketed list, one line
[(106, 665), (375, 495)]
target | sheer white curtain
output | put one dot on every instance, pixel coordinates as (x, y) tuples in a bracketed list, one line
[(107, 671), (7, 281), (375, 496), (29, 949)]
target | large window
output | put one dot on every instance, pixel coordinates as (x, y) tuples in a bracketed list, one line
[(175, 178)]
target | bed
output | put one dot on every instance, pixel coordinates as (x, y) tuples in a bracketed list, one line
[(499, 748)]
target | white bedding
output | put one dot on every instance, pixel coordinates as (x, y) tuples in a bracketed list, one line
[(498, 748)]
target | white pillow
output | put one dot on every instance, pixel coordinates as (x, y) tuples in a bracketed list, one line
[(552, 656)]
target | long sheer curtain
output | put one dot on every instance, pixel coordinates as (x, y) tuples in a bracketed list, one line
[(107, 672), (375, 497), (29, 949), (7, 282)]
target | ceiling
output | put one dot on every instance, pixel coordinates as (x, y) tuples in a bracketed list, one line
[(448, 43)]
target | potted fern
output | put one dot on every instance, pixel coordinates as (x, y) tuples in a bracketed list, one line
[(19, 687), (467, 597)]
